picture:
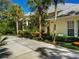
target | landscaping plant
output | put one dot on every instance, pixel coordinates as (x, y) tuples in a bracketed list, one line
[(3, 41)]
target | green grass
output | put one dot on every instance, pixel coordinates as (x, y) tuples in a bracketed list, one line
[(70, 46)]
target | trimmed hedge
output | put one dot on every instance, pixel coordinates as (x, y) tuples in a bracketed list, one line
[(60, 38), (47, 37), (67, 39), (26, 34)]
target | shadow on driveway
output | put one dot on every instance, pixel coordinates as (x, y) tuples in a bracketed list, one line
[(4, 53), (50, 53)]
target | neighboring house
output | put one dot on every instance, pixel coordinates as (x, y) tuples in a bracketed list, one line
[(24, 22), (67, 22)]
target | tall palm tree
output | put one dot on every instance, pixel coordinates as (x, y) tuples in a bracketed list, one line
[(39, 6), (16, 13), (56, 13)]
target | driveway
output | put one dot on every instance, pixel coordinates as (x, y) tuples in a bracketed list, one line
[(23, 48)]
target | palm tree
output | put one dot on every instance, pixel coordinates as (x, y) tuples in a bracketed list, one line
[(16, 14), (39, 6), (55, 4), (2, 40)]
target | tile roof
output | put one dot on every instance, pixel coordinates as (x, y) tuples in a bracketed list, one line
[(66, 10), (72, 11)]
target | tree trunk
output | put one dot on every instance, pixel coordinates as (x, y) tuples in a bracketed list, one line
[(40, 27), (23, 28), (48, 28), (54, 42), (17, 28)]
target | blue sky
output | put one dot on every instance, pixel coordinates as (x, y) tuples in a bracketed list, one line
[(26, 9)]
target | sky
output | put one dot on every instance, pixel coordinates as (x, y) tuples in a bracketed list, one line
[(25, 8)]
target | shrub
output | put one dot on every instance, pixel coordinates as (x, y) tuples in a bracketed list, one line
[(25, 33), (47, 37), (21, 33), (76, 43), (60, 38), (35, 34), (2, 41), (71, 39), (67, 39)]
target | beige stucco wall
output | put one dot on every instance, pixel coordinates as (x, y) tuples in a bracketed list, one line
[(61, 25)]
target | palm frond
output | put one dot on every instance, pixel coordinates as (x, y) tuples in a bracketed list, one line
[(58, 1), (36, 1), (62, 1), (32, 2), (29, 3), (2, 41)]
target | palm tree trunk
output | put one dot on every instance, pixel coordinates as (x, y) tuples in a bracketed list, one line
[(48, 29), (40, 27), (17, 28), (22, 26), (54, 42)]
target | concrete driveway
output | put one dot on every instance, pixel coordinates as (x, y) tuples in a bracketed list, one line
[(23, 48)]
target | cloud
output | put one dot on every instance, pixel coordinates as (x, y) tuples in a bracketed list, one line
[(29, 13), (61, 7)]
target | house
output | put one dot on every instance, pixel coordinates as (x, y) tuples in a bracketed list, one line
[(23, 22), (67, 22)]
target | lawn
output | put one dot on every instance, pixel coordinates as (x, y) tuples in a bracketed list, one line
[(69, 45)]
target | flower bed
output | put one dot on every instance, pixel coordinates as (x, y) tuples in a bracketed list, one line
[(76, 43)]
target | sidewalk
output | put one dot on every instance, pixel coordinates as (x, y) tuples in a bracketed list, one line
[(22, 48)]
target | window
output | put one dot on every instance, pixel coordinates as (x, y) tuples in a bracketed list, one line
[(78, 28), (70, 26)]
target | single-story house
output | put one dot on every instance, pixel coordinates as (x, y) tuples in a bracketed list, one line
[(24, 22), (67, 22)]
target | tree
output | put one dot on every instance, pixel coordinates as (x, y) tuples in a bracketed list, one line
[(55, 4), (39, 6), (7, 26), (4, 4), (16, 14)]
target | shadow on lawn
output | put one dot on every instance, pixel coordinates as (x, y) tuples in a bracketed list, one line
[(49, 53), (4, 53)]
